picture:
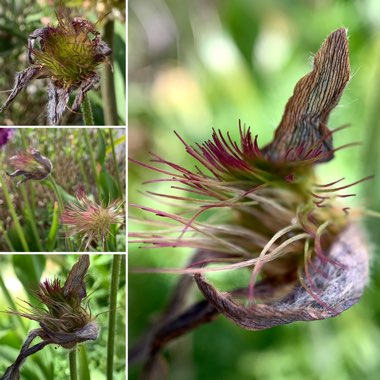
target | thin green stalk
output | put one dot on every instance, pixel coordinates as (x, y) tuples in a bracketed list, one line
[(61, 207), (92, 159), (12, 211), (115, 274), (115, 164), (29, 213), (88, 118), (73, 364), (84, 371), (108, 83)]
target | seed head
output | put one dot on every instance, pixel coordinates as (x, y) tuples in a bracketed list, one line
[(62, 317), (265, 210), (91, 221), (68, 54)]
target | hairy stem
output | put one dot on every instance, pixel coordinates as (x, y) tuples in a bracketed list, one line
[(115, 274), (115, 164), (91, 153), (88, 118), (108, 84), (73, 364)]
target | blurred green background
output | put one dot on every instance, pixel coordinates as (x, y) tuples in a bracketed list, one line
[(18, 19), (200, 64), (20, 275)]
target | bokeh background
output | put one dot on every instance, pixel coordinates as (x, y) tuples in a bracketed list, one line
[(200, 64), (18, 19), (19, 277)]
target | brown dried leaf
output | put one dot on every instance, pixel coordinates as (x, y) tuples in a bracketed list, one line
[(339, 287), (304, 123), (22, 80)]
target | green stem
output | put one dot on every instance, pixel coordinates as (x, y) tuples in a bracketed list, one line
[(115, 274), (73, 364), (61, 207), (92, 159), (108, 84), (88, 118), (115, 164), (12, 211)]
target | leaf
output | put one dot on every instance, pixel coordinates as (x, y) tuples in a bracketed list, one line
[(101, 147), (52, 237), (108, 185), (303, 129)]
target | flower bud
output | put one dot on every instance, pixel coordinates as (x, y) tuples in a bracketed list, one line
[(30, 165)]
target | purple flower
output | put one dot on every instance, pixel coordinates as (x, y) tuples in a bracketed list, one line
[(5, 135)]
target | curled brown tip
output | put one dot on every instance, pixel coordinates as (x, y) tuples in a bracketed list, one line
[(303, 127), (341, 289)]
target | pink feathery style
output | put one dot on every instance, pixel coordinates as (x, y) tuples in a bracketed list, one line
[(91, 221), (5, 135), (264, 210)]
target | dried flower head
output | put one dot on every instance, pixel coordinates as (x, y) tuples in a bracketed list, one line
[(92, 221), (68, 55), (62, 317), (30, 165), (267, 211)]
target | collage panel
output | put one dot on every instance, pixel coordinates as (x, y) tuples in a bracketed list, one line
[(63, 282), (61, 312), (63, 62), (62, 190), (254, 187)]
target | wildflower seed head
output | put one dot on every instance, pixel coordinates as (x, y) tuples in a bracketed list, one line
[(70, 52), (68, 55), (30, 165), (62, 314), (264, 209), (92, 221)]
